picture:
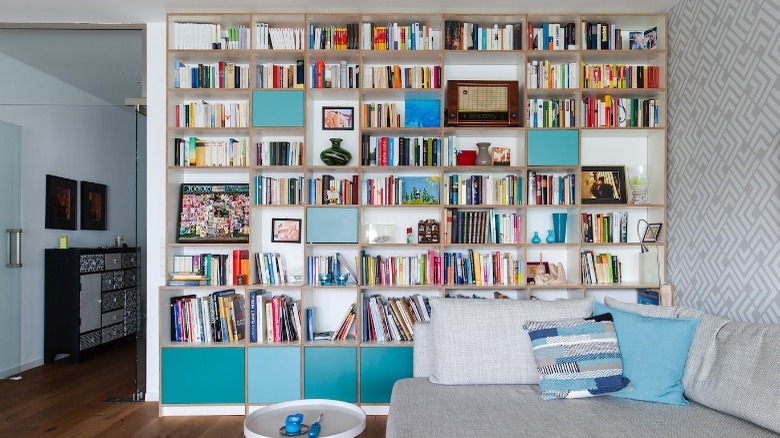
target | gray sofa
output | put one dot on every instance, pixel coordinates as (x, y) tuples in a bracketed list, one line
[(475, 381)]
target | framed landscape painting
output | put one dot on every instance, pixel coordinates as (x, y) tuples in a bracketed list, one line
[(60, 203)]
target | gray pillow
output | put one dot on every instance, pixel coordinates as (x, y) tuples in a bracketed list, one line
[(642, 309), (483, 341)]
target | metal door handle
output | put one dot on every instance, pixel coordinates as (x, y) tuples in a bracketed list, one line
[(14, 247)]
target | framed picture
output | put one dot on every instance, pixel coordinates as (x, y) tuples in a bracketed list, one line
[(603, 184), (335, 118), (93, 206), (636, 40), (534, 268), (214, 213), (60, 203), (652, 233), (286, 230)]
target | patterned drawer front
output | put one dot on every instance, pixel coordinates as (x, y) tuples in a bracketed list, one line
[(107, 281), (113, 317), (115, 331), (131, 315), (112, 300), (89, 340), (129, 260), (113, 261), (129, 277), (119, 279), (91, 263)]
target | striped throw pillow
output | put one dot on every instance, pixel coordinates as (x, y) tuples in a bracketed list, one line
[(577, 358)]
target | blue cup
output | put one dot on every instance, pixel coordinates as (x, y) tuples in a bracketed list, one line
[(292, 425), (559, 227)]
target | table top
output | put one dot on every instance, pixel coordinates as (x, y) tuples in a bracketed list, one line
[(340, 419)]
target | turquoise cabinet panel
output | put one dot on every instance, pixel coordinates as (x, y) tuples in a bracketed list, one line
[(380, 367), (274, 374), (202, 375), (320, 223), (277, 108), (330, 372), (553, 147)]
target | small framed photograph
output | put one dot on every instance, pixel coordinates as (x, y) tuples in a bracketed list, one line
[(637, 40), (650, 38), (336, 118), (60, 203), (286, 230), (93, 206), (652, 233), (534, 268), (603, 185)]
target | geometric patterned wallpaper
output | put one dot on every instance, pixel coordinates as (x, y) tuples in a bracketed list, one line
[(724, 157)]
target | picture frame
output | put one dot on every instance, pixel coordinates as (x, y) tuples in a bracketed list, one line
[(652, 233), (338, 118), (636, 40), (603, 185), (286, 230), (533, 268), (93, 206), (213, 213), (61, 194)]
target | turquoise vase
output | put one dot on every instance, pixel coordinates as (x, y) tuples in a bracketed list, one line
[(536, 238), (550, 237), (335, 155)]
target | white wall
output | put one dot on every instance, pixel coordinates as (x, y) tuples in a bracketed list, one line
[(72, 134)]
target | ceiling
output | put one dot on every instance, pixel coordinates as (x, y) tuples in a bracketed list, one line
[(108, 63)]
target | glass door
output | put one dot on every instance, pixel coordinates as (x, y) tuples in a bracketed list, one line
[(140, 238), (11, 263)]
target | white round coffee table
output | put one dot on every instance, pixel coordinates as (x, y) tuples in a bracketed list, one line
[(340, 419)]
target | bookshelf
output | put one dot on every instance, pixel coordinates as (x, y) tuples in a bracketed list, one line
[(346, 61)]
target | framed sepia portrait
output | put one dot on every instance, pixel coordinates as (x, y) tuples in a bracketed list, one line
[(603, 185)]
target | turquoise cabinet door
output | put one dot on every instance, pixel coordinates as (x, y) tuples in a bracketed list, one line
[(202, 375), (553, 147), (380, 367), (277, 108), (274, 374), (330, 372)]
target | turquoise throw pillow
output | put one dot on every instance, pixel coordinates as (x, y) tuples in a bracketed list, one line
[(654, 352)]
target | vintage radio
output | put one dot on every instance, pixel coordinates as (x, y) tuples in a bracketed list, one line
[(483, 103)]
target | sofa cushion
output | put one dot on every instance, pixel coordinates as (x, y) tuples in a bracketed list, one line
[(423, 358), (654, 352), (483, 341), (642, 309), (732, 367), (577, 358)]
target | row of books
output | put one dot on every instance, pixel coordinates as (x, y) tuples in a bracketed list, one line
[(401, 190), (204, 36), (345, 330), (278, 191), (621, 112), (605, 227), (342, 37), (274, 318), (601, 36), (620, 76), (380, 115), (211, 115), (474, 36), (392, 36), (341, 75), (482, 226), (334, 265), (270, 75), (491, 269), (399, 151), (551, 189), (547, 75), (279, 38), (551, 113), (279, 153), (193, 151), (271, 269), (217, 75), (552, 36), (393, 319), (395, 76), (483, 190), (421, 269), (217, 317), (327, 190), (210, 269), (603, 268)]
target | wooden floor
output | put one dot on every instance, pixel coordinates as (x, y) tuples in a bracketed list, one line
[(68, 400)]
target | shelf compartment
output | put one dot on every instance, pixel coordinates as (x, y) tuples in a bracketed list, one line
[(180, 367), (330, 373), (380, 368), (274, 374)]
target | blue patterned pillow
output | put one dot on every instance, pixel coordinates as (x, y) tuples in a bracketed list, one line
[(577, 358)]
